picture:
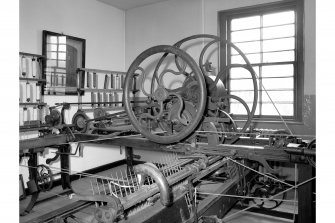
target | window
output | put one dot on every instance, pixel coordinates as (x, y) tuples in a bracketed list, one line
[(64, 54), (270, 38)]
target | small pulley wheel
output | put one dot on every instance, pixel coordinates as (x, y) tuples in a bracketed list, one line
[(266, 187), (44, 178), (79, 121), (99, 112)]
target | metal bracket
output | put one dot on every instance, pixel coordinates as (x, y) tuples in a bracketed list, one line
[(262, 161)]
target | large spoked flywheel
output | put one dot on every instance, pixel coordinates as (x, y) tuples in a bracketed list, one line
[(170, 98)]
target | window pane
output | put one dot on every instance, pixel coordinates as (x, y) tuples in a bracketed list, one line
[(51, 39), (247, 96), (246, 23), (62, 39), (62, 56), (237, 108), (240, 72), (248, 47), (284, 109), (278, 56), (253, 58), (62, 63), (51, 47), (52, 55), (277, 83), (278, 31), (62, 48), (278, 96), (278, 70), (51, 63), (246, 35), (279, 18), (242, 84), (279, 44)]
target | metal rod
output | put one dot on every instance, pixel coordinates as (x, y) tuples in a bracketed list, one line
[(244, 197), (103, 184), (117, 177), (123, 183), (115, 190)]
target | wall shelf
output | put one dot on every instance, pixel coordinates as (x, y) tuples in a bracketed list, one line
[(100, 90), (105, 108), (31, 107), (33, 79), (32, 103)]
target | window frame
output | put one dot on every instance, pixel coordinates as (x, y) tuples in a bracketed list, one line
[(224, 18)]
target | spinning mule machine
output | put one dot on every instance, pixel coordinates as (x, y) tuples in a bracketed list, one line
[(177, 106)]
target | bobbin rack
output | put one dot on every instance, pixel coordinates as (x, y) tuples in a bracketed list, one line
[(99, 89), (32, 106)]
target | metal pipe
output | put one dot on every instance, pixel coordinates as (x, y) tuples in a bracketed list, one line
[(164, 189)]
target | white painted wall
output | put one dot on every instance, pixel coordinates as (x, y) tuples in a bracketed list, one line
[(103, 27), (168, 22)]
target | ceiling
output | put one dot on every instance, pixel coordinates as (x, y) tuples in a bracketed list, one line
[(129, 4)]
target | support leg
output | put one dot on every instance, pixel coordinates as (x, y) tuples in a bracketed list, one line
[(65, 166), (306, 207), (32, 183)]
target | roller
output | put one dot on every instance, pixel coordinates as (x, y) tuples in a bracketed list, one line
[(32, 93), (35, 113), (25, 115), (21, 116), (122, 81), (112, 81), (111, 99), (116, 98), (93, 99), (28, 91), (38, 68), (29, 114), (89, 83), (20, 66), (106, 99), (29, 67), (106, 83), (38, 93), (99, 99), (95, 80), (24, 66), (23, 93), (34, 67), (117, 82), (44, 112)]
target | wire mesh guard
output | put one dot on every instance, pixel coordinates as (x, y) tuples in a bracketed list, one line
[(129, 187)]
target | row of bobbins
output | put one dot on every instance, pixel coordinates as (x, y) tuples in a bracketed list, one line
[(112, 81), (30, 67), (104, 99), (30, 92), (32, 113)]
